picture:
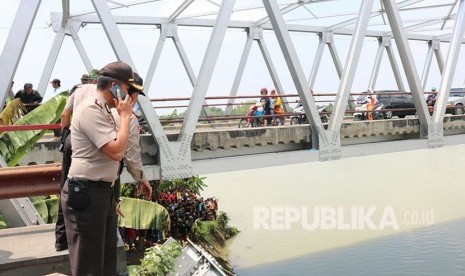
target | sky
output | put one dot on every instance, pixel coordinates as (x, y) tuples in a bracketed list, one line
[(171, 80)]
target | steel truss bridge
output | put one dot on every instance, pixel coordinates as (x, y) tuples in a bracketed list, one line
[(183, 154)]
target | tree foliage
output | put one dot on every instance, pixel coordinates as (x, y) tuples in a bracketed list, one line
[(243, 108), (15, 144), (12, 112), (143, 214), (157, 262), (194, 184)]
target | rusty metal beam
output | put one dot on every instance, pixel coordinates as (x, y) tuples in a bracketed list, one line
[(28, 181)]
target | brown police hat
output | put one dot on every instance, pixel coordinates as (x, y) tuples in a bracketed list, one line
[(138, 80), (120, 71)]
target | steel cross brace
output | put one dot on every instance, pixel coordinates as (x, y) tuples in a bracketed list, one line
[(448, 75), (175, 156), (256, 34), (326, 38), (15, 43)]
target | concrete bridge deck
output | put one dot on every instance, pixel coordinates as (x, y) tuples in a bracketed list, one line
[(30, 251), (223, 142)]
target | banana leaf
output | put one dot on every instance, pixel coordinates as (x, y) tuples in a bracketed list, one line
[(41, 207), (12, 112), (142, 214), (15, 144), (52, 206), (3, 222), (47, 208)]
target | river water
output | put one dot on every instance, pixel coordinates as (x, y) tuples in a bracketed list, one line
[(392, 214)]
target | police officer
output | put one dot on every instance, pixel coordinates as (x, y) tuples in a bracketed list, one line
[(87, 197), (132, 156), (80, 93)]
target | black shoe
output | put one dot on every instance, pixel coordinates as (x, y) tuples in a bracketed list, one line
[(61, 246)]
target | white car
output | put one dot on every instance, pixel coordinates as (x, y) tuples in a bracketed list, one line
[(456, 101)]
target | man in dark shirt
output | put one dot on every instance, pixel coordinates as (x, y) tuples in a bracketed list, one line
[(29, 96)]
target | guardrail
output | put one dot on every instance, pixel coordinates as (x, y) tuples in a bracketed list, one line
[(26, 181)]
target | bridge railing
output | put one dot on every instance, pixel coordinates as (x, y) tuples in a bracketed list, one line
[(205, 118)]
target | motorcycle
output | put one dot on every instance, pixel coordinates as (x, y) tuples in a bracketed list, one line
[(361, 113), (255, 118), (301, 118)]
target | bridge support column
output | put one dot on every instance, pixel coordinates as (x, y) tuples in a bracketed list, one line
[(295, 68), (330, 145), (450, 67), (435, 135), (405, 53)]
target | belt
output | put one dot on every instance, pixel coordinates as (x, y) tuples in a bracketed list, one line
[(96, 184)]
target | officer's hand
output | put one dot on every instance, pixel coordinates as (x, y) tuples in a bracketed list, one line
[(144, 189), (124, 107), (118, 210)]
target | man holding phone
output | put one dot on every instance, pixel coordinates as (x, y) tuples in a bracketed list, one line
[(87, 197)]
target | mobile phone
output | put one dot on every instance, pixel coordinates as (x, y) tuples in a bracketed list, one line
[(114, 90)]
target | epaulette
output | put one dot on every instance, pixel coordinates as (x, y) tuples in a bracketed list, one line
[(98, 103), (74, 88)]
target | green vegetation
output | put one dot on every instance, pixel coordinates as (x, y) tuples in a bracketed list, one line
[(212, 236), (15, 144), (12, 112), (214, 232), (194, 184), (47, 207), (157, 262), (3, 222), (143, 214), (243, 108)]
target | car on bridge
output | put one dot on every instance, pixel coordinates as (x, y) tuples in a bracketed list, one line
[(396, 100), (456, 101)]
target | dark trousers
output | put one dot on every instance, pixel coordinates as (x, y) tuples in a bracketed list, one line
[(91, 233), (60, 231)]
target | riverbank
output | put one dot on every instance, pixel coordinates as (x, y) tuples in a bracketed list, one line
[(213, 235)]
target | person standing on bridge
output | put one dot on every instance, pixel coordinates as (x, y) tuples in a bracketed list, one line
[(80, 93), (29, 96), (132, 157), (87, 197)]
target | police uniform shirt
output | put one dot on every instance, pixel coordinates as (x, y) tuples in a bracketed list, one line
[(92, 127), (81, 93), (132, 158)]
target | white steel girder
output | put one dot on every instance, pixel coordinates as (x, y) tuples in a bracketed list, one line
[(255, 34), (51, 60), (433, 49), (178, 164), (15, 43), (408, 63), (272, 69), (193, 22), (111, 29), (239, 73), (295, 68), (332, 135), (449, 69), (80, 48), (378, 59), (385, 44), (326, 39)]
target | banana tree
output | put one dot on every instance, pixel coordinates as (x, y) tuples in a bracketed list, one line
[(142, 214), (14, 145)]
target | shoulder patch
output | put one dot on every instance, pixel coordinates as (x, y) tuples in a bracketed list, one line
[(74, 88), (98, 103)]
